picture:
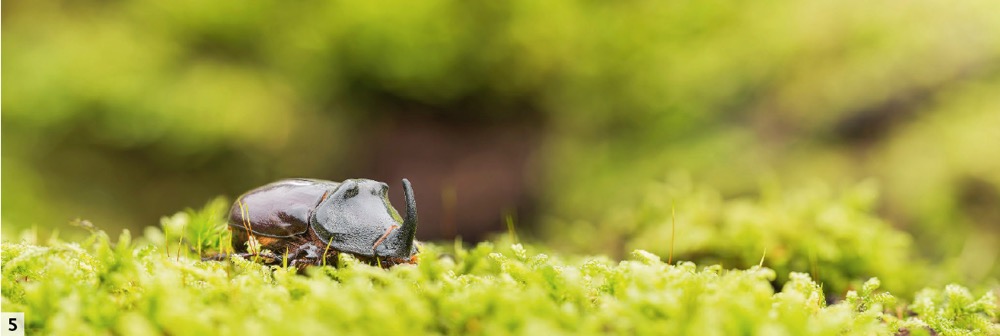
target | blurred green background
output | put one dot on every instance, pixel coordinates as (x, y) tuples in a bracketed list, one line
[(769, 127)]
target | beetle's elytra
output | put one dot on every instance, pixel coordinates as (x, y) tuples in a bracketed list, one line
[(311, 220)]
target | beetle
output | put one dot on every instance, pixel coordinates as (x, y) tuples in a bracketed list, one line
[(310, 220)]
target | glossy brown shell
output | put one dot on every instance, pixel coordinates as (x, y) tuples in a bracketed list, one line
[(280, 209)]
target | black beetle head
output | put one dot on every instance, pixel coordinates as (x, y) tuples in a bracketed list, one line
[(358, 218)]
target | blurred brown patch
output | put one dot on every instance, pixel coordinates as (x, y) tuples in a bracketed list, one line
[(466, 175)]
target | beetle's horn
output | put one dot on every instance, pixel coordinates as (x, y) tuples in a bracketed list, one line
[(409, 230)]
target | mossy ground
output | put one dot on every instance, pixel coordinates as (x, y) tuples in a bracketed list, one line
[(137, 287)]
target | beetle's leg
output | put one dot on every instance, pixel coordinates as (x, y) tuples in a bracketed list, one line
[(215, 257), (266, 257), (301, 264), (306, 253), (226, 256)]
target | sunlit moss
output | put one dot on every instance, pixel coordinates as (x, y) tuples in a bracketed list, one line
[(98, 286)]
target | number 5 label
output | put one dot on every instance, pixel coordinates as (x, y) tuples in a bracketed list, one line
[(13, 324)]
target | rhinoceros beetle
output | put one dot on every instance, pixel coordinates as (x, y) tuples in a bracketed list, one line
[(310, 220)]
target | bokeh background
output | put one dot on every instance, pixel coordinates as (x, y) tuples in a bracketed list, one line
[(586, 124)]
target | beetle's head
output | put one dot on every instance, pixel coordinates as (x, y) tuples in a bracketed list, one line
[(358, 218)]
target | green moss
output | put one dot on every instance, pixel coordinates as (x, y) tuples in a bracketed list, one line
[(144, 287), (833, 234)]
